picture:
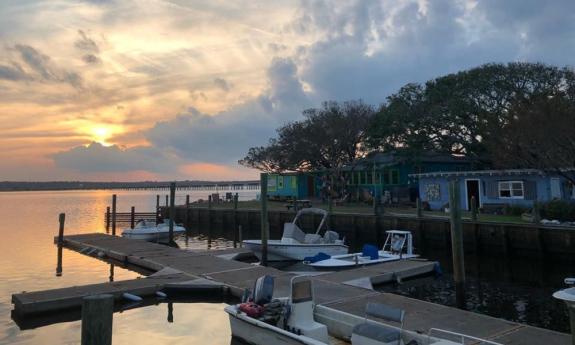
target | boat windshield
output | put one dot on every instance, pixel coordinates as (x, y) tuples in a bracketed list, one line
[(301, 291)]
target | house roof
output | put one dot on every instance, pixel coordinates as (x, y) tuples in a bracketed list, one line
[(507, 172), (394, 157)]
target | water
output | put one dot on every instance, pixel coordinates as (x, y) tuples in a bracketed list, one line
[(28, 263)]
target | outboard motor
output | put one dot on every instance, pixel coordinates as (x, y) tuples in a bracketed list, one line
[(263, 290)]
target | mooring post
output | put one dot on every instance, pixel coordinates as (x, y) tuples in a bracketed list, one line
[(97, 319), (167, 200), (107, 219), (264, 217), (374, 191), (419, 208), (132, 217), (187, 215), (457, 242), (240, 235), (209, 221), (536, 213), (61, 220), (571, 308), (473, 209), (235, 220), (170, 312), (114, 215), (172, 210)]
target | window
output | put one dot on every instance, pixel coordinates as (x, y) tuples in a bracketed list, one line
[(293, 182), (369, 178), (361, 177), (280, 182), (511, 189), (386, 177)]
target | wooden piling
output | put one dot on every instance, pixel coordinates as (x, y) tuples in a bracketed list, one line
[(473, 209), (61, 220), (264, 217), (167, 200), (536, 213), (172, 210), (571, 308), (132, 217), (187, 214), (456, 240), (97, 319), (235, 220), (209, 221), (157, 209), (240, 235), (419, 208), (108, 219), (114, 215)]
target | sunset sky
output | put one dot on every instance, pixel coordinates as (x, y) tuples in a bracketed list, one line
[(180, 89)]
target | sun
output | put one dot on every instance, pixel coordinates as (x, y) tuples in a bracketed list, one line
[(101, 134)]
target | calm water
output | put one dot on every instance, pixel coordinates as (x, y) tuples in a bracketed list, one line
[(28, 263)]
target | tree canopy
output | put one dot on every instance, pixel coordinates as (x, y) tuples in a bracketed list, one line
[(461, 113), (327, 138)]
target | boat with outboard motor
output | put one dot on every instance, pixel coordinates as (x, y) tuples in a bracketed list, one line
[(297, 245), (398, 245), (150, 231), (296, 319)]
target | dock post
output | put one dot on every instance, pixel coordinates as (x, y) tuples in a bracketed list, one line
[(157, 209), (61, 220), (172, 210), (108, 219), (240, 235), (132, 217), (473, 209), (167, 200), (536, 214), (419, 208), (264, 216), (170, 312), (235, 220), (457, 242), (97, 319), (114, 215), (209, 221), (187, 215)]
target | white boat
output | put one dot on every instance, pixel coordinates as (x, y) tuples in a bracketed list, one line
[(297, 245), (398, 245), (149, 231), (297, 320)]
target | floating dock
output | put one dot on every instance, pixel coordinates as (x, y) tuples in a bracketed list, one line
[(347, 290)]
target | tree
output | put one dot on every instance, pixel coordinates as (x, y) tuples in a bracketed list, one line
[(327, 138), (540, 135), (461, 113)]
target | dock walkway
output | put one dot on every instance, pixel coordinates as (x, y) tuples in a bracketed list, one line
[(345, 290)]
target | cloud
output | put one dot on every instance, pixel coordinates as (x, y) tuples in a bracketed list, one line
[(99, 158), (226, 136), (14, 73), (222, 84)]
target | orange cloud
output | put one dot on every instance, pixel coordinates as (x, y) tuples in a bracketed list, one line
[(213, 172)]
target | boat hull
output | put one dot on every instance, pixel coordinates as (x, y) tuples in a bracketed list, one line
[(256, 332), (348, 261), (152, 234), (278, 251)]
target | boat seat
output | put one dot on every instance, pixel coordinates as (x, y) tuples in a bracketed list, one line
[(330, 236), (379, 333), (312, 239)]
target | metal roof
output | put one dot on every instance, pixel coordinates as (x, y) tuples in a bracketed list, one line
[(507, 172)]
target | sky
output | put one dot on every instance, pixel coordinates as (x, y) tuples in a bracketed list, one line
[(126, 90)]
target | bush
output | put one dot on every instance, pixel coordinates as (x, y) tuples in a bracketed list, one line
[(511, 210), (559, 209)]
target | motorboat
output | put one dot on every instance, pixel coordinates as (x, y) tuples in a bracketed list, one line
[(260, 319), (296, 245), (398, 245), (150, 231)]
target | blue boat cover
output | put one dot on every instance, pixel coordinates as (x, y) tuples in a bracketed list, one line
[(371, 251), (318, 257)]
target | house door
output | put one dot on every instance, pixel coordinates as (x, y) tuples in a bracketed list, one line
[(555, 188), (472, 188), (310, 186)]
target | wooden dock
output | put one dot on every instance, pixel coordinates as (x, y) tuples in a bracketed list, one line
[(345, 290)]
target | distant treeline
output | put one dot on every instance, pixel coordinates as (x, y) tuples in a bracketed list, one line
[(74, 185)]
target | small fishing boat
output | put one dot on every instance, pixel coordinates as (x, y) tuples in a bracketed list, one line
[(398, 245), (296, 244), (262, 320), (148, 231)]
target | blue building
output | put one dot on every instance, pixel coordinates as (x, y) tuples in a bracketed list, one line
[(291, 186), (493, 188)]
